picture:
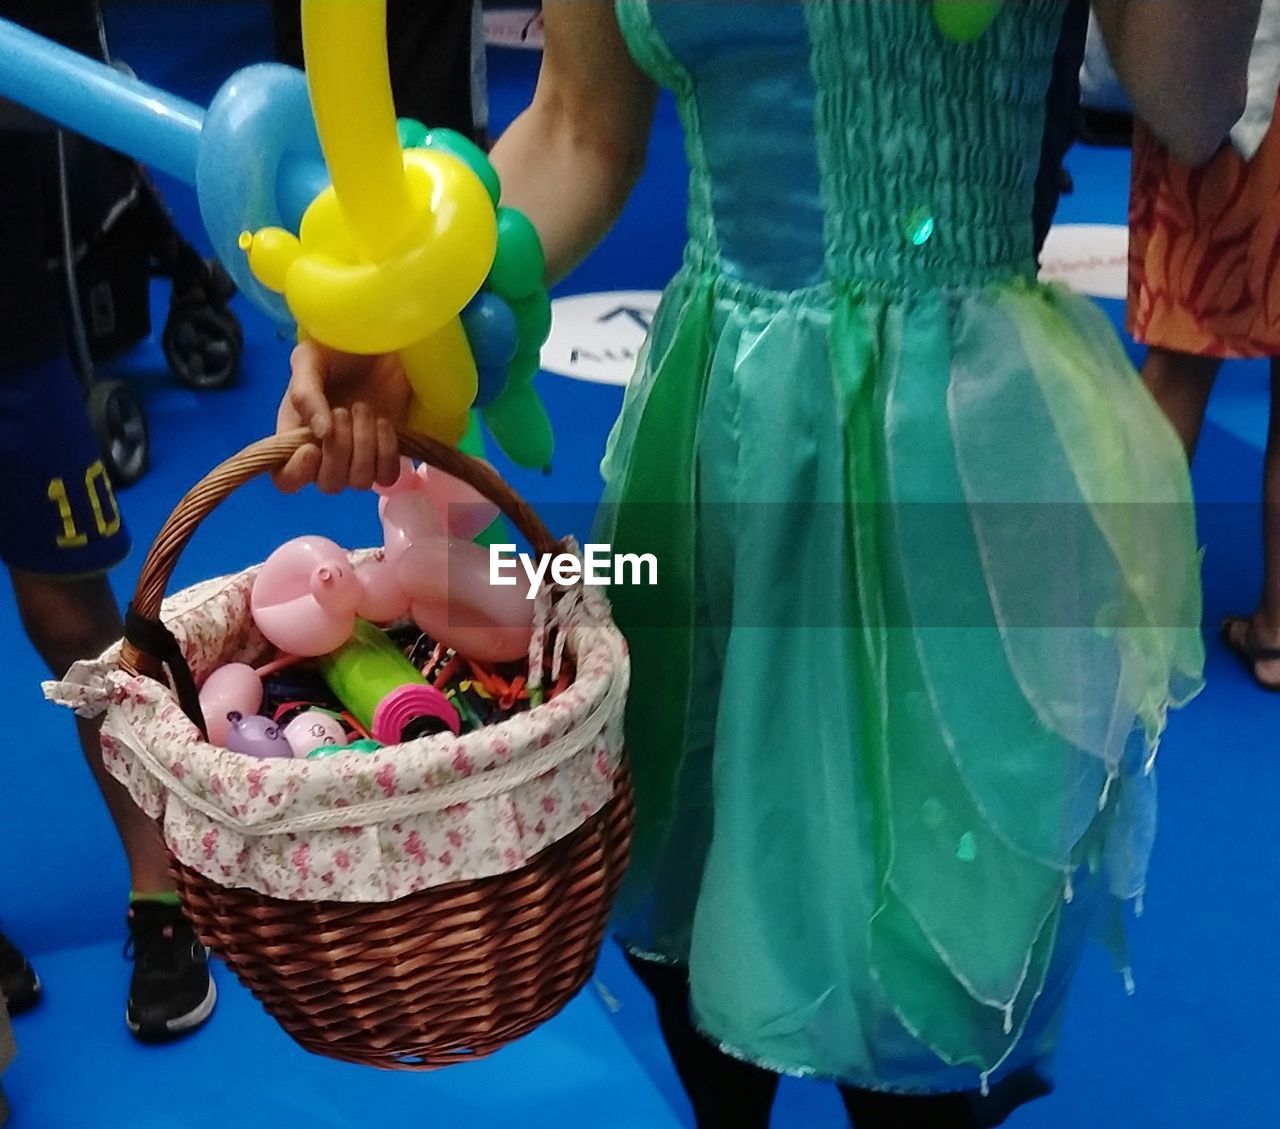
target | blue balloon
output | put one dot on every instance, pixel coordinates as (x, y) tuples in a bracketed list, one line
[(493, 383), (99, 101), (259, 165), (254, 157), (492, 331)]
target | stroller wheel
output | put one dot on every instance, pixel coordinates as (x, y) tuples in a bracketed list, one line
[(202, 344), (121, 428), (218, 283)]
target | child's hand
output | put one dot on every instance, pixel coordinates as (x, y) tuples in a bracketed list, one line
[(351, 405)]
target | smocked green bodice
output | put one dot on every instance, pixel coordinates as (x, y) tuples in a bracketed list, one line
[(850, 142)]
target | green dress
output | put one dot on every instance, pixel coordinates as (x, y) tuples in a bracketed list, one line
[(927, 559)]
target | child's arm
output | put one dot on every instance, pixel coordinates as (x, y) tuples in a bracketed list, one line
[(1185, 64), (570, 160)]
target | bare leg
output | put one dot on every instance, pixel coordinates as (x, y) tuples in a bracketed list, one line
[(68, 620), (1181, 383)]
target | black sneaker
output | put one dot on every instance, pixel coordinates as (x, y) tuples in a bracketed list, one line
[(19, 984), (171, 992)]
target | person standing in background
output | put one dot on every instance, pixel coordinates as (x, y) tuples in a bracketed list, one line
[(7, 1051), (61, 532), (1106, 110), (1204, 287)]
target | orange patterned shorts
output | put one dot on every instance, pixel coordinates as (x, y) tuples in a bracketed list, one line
[(1204, 250)]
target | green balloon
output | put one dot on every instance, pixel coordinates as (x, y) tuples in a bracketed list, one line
[(413, 134), (525, 367), (364, 746), (472, 443), (470, 154), (519, 424), (519, 265), (533, 318), (497, 533), (963, 21)]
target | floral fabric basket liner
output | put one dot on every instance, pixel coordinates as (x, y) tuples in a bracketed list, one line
[(361, 828)]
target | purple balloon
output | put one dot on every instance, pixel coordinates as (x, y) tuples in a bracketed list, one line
[(256, 736)]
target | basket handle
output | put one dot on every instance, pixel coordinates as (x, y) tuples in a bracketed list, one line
[(149, 647)]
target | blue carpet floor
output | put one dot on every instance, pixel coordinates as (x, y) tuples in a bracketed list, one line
[(1196, 1046)]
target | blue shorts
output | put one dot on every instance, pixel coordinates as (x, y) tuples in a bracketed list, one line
[(58, 512)]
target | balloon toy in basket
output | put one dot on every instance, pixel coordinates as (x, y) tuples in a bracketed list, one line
[(322, 612)]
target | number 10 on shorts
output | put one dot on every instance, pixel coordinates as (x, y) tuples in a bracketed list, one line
[(102, 501)]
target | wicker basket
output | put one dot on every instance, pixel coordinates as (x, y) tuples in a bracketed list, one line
[(449, 973)]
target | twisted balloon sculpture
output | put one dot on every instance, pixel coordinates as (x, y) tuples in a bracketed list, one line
[(389, 257)]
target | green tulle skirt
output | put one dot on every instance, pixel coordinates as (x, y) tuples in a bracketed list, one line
[(928, 586)]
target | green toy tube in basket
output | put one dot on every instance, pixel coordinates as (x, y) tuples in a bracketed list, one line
[(384, 690)]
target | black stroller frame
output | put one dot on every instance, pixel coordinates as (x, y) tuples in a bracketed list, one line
[(111, 242)]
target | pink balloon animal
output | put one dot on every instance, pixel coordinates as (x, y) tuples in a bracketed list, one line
[(232, 689), (307, 594), (452, 600), (428, 522), (306, 597), (462, 510)]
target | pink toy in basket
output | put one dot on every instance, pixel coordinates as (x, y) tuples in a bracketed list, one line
[(308, 594), (462, 510), (428, 522)]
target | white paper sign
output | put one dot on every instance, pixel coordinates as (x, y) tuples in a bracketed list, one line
[(598, 337), (514, 27), (1090, 258)]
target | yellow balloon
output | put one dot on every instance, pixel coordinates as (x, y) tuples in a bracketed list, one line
[(441, 370), (386, 305), (272, 251), (324, 228), (446, 430), (387, 257), (345, 45)]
